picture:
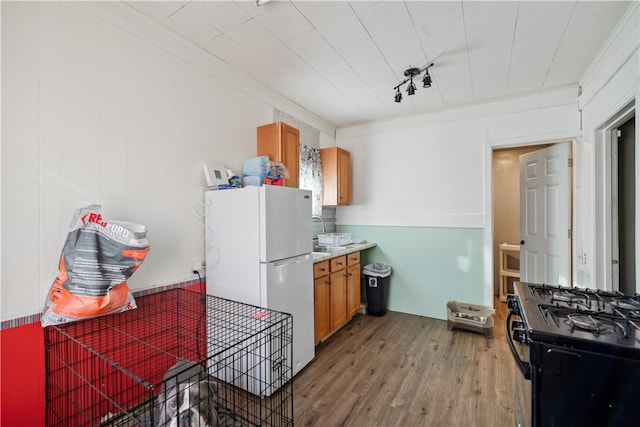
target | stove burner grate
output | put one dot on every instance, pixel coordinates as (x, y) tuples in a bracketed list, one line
[(596, 322), (563, 296), (588, 323), (626, 303)]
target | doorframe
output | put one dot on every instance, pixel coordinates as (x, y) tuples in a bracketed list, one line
[(572, 137), (602, 198)]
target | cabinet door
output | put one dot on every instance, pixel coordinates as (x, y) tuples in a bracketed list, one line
[(322, 308), (336, 176), (291, 154), (338, 299), (344, 177), (353, 290), (281, 143)]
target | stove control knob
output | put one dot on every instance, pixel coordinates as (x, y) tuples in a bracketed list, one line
[(520, 335), (513, 305), (517, 325)]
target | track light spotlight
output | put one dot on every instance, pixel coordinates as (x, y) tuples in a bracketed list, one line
[(398, 96), (410, 73), (411, 89), (426, 80)]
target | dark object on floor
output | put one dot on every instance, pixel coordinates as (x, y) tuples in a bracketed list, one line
[(376, 282)]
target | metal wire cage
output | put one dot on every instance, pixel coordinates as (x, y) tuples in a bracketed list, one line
[(233, 360)]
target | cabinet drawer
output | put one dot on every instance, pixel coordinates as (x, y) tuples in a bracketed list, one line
[(353, 258), (320, 268), (338, 263)]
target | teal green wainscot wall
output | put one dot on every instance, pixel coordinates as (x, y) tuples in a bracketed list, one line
[(429, 266)]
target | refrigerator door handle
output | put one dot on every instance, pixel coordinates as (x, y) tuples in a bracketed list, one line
[(285, 262)]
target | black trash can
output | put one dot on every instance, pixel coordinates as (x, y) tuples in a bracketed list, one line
[(376, 281)]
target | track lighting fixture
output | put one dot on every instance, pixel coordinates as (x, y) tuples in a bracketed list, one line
[(411, 87)]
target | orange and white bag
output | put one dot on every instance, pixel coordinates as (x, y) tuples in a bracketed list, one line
[(97, 259)]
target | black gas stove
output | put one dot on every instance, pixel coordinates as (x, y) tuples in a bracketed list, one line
[(578, 354)]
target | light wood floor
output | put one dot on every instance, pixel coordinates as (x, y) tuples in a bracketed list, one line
[(406, 370)]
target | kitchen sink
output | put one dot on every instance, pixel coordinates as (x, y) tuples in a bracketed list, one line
[(327, 249)]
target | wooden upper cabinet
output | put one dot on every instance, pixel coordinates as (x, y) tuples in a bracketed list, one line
[(281, 143), (336, 176)]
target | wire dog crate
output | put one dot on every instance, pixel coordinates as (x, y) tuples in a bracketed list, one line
[(203, 360)]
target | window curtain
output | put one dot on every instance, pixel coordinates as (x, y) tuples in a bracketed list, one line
[(311, 176), (310, 169)]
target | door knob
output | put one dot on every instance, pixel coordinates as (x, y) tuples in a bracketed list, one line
[(522, 242)]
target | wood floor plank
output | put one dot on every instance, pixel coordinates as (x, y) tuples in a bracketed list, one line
[(406, 370)]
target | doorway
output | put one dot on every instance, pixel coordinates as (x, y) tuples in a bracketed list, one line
[(506, 205), (615, 198), (623, 147)]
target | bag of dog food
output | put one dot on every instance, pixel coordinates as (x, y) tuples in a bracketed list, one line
[(97, 259)]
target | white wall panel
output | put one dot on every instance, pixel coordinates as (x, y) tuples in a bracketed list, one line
[(80, 88), (417, 177), (542, 124), (430, 170), (101, 105), (51, 223), (113, 120), (20, 153)]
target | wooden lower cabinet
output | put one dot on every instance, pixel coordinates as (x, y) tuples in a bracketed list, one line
[(336, 293)]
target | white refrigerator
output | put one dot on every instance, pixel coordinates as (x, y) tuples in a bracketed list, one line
[(258, 251)]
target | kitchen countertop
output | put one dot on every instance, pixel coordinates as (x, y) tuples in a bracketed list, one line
[(352, 247)]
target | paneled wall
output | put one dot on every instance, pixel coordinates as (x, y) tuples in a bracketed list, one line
[(429, 178), (100, 105)]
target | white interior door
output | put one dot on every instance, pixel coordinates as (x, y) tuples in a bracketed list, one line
[(545, 222)]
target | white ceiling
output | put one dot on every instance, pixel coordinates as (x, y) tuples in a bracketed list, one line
[(341, 60)]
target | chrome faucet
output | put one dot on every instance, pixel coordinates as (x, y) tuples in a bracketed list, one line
[(324, 229)]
